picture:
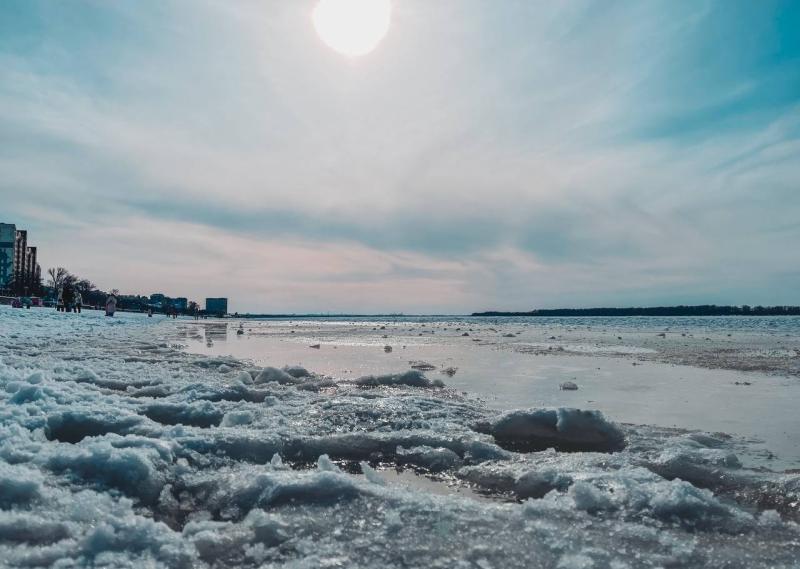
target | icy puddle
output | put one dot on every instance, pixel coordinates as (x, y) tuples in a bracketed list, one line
[(416, 482), (754, 406), (119, 448)]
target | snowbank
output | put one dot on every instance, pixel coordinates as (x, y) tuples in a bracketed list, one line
[(563, 429), (412, 378)]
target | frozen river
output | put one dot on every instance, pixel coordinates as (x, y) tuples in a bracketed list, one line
[(622, 366), (143, 442)]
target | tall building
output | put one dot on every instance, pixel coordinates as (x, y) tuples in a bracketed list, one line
[(20, 258), (32, 269), (20, 274), (8, 241), (218, 306)]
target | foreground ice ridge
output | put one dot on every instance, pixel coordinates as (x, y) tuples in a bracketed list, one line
[(118, 449), (528, 430)]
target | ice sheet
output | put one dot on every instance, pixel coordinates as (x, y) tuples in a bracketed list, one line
[(120, 449)]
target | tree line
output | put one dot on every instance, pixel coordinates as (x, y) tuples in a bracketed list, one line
[(59, 277), (699, 310)]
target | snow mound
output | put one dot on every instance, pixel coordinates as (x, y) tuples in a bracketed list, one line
[(564, 429), (18, 485), (432, 459), (297, 371), (412, 378), (273, 374), (200, 414), (237, 418), (135, 466)]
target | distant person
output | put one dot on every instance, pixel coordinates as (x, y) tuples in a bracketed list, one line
[(150, 312), (111, 304), (69, 297), (78, 301), (60, 300)]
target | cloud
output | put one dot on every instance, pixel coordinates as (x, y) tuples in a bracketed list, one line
[(538, 154)]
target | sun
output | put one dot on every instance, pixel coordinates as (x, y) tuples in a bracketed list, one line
[(352, 27)]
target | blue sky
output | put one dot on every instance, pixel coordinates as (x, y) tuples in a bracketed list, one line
[(510, 155)]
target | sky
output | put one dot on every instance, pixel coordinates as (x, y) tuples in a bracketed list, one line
[(486, 155)]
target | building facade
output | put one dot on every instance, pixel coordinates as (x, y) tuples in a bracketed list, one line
[(20, 257), (157, 298), (8, 242), (20, 273), (218, 306)]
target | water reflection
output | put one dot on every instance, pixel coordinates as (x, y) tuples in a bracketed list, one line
[(215, 332)]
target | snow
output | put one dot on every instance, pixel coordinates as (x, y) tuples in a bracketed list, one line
[(273, 374), (432, 459), (412, 378), (119, 449), (565, 429)]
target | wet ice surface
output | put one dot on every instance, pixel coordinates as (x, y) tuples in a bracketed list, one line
[(625, 379), (120, 449)]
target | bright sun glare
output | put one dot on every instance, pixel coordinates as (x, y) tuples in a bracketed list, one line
[(352, 27)]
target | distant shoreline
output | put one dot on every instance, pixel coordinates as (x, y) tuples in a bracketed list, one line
[(700, 310)]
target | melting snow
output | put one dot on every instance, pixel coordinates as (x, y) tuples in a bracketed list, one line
[(118, 449)]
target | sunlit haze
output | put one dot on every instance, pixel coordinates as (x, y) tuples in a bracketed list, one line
[(352, 27)]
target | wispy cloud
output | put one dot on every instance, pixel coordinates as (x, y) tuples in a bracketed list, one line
[(512, 156)]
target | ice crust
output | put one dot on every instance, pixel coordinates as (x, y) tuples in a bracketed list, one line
[(118, 449), (411, 378), (564, 429)]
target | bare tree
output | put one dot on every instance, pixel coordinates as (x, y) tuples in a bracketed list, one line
[(85, 286), (59, 276)]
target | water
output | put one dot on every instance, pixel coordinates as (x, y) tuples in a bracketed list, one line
[(759, 407), (760, 324)]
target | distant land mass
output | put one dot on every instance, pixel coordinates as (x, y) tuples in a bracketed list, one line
[(700, 310), (318, 315)]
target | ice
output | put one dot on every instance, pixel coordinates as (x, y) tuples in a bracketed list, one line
[(562, 428), (537, 484), (244, 378), (199, 414), (270, 374), (324, 464), (372, 475), (119, 450), (297, 371), (429, 458), (136, 466), (237, 418), (74, 426), (18, 485), (413, 378), (379, 445)]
